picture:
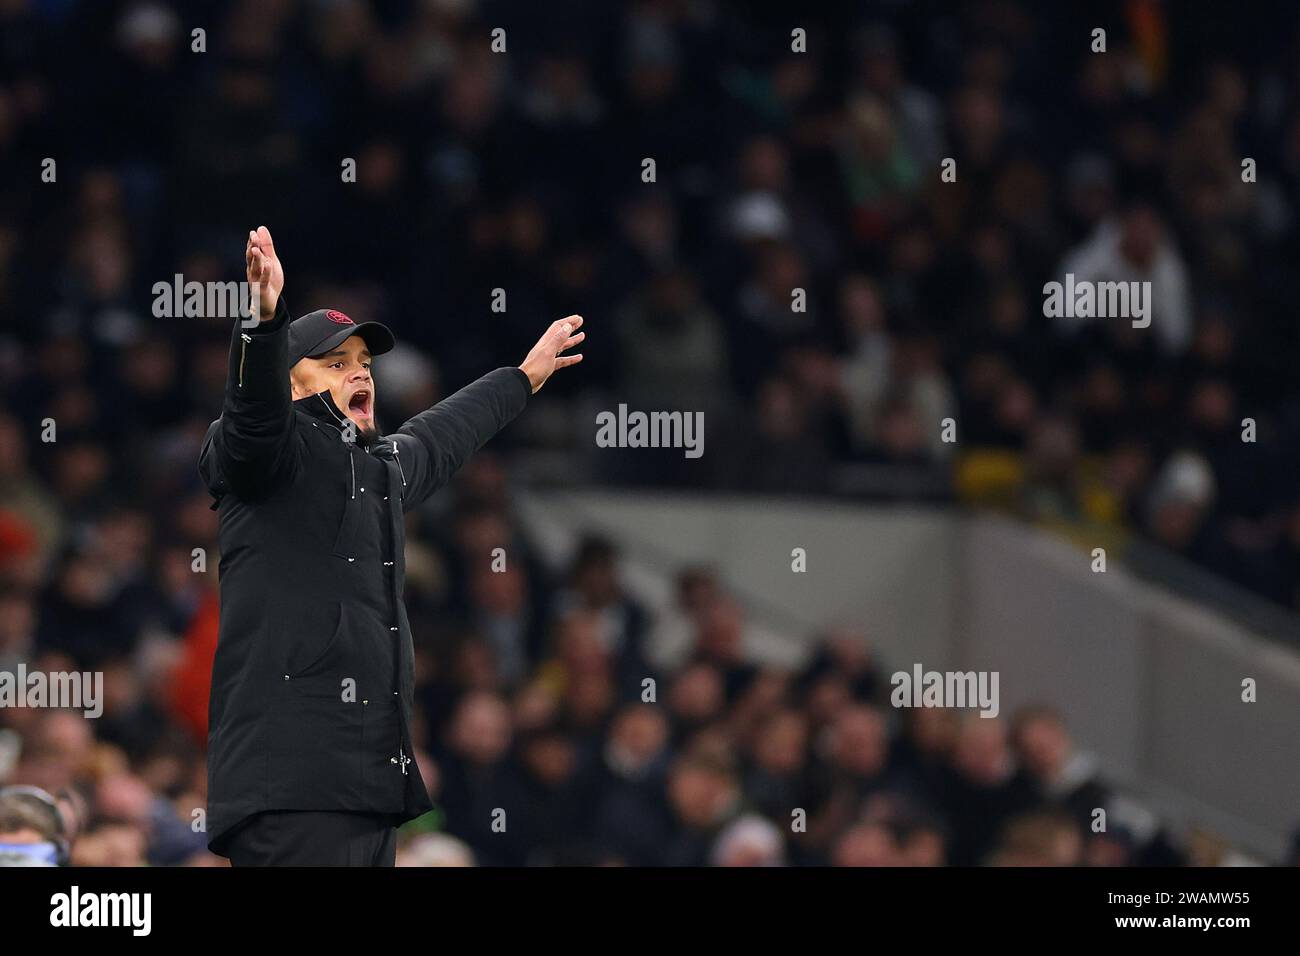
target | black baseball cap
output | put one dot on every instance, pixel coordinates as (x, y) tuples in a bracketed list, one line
[(321, 331)]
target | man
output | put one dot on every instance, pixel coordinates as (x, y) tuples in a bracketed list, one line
[(310, 756)]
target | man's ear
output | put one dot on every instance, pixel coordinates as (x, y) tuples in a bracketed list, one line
[(297, 389)]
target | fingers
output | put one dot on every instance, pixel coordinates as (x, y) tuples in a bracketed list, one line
[(259, 241), (561, 333), (562, 327), (546, 357), (571, 341)]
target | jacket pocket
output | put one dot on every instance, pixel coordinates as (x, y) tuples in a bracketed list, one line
[(314, 746), (311, 656)]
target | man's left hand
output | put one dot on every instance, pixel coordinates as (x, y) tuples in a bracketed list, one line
[(546, 356)]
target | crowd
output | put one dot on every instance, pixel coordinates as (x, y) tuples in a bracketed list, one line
[(562, 723), (798, 269)]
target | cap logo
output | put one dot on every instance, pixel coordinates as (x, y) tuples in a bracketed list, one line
[(338, 317)]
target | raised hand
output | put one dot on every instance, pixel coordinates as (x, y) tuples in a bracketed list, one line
[(265, 274), (546, 356)]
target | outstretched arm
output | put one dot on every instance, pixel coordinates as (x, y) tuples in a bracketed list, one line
[(434, 444)]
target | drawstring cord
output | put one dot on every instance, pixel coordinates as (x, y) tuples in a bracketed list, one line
[(352, 468), (398, 458)]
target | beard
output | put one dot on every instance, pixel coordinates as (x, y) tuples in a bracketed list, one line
[(364, 435)]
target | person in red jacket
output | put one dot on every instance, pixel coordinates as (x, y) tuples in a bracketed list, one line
[(192, 678)]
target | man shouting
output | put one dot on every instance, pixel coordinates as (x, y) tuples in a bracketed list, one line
[(309, 738)]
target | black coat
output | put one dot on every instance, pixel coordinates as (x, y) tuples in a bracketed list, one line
[(312, 683)]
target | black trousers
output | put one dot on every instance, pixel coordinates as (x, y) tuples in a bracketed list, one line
[(313, 838)]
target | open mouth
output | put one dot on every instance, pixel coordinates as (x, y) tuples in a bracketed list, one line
[(360, 403)]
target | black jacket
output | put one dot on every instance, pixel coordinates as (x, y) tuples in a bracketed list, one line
[(312, 683)]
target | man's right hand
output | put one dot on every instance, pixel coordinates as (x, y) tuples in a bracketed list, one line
[(265, 274)]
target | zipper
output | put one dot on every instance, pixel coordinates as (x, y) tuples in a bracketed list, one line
[(243, 348)]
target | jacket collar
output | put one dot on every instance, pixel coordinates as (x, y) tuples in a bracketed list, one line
[(321, 406)]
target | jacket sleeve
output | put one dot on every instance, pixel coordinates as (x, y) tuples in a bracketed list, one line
[(251, 445), (433, 445)]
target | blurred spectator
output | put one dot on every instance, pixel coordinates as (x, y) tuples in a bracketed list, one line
[(1137, 249), (32, 831)]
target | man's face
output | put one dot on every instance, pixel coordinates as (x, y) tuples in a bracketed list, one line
[(345, 374)]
